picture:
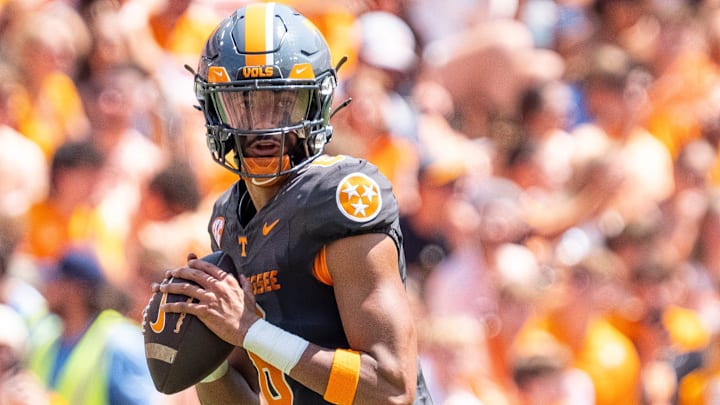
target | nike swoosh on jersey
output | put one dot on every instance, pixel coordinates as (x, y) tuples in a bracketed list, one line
[(267, 228)]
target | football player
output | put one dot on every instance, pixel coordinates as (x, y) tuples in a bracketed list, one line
[(319, 312)]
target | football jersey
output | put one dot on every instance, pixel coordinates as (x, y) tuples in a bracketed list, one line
[(279, 247)]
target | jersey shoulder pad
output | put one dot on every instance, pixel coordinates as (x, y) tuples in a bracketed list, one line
[(228, 198), (347, 195), (224, 211)]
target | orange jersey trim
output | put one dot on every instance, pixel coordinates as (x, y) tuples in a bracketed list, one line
[(320, 268)]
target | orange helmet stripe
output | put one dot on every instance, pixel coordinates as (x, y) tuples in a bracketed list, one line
[(259, 34)]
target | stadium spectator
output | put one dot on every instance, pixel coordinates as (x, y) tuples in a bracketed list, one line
[(90, 354), (45, 45), (67, 215), (17, 385), (114, 101), (575, 313), (23, 166)]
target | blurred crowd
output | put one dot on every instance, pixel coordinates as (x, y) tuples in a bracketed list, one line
[(557, 165)]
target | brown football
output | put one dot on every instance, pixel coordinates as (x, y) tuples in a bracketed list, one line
[(179, 348)]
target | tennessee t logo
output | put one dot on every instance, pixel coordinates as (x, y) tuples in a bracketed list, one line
[(267, 228)]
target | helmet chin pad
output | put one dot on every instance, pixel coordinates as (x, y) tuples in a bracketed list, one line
[(265, 171)]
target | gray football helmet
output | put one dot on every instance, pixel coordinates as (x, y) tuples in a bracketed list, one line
[(266, 71)]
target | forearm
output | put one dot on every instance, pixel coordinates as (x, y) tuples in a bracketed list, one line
[(341, 376), (378, 383)]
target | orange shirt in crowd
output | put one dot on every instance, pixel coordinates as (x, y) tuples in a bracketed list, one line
[(188, 35), (702, 386), (397, 159), (676, 96), (50, 231), (605, 354), (56, 115)]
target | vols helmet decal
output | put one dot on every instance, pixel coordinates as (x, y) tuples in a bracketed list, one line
[(358, 197)]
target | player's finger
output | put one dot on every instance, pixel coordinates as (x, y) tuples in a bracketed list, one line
[(191, 308), (182, 288), (208, 268), (246, 286), (167, 275), (199, 277), (154, 287), (187, 289)]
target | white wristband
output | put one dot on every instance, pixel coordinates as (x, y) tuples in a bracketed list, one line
[(279, 348), (217, 374)]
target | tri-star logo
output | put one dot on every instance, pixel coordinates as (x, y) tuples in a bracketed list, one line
[(358, 197)]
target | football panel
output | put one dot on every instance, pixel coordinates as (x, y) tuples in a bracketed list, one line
[(163, 338), (179, 348), (199, 354)]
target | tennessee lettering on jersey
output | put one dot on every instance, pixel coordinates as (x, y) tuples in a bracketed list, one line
[(264, 282)]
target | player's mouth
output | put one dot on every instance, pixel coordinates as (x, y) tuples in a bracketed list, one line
[(266, 147)]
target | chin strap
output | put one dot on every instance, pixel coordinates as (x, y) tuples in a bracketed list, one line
[(266, 166)]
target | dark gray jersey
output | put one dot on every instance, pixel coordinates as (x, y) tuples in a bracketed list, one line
[(276, 248)]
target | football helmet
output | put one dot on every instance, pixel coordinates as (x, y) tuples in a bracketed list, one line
[(266, 73)]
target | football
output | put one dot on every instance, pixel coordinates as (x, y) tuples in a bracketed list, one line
[(179, 348)]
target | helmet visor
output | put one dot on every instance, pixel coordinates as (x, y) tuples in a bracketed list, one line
[(262, 109)]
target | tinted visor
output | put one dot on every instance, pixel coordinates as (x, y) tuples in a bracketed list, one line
[(262, 109)]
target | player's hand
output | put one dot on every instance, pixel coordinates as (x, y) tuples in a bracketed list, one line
[(225, 304)]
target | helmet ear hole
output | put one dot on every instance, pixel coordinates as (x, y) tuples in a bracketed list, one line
[(316, 142), (328, 134)]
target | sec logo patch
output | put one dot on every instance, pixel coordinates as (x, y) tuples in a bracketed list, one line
[(358, 197), (218, 225)]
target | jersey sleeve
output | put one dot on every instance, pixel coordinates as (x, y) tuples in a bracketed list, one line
[(346, 196), (221, 214)]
